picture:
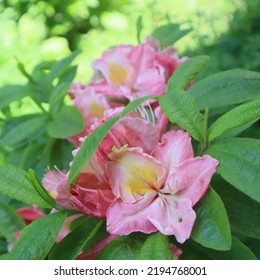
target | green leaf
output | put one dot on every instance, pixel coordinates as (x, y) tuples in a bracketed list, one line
[(238, 251), (14, 183), (123, 247), (38, 238), (67, 122), (243, 212), (186, 72), (156, 247), (235, 118), (11, 93), (31, 176), (10, 222), (81, 238), (139, 27), (239, 164), (59, 93), (168, 34), (93, 140), (23, 130), (181, 109), (226, 88), (59, 68), (211, 228)]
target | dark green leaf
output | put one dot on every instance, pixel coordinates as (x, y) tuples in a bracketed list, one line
[(11, 93), (14, 183), (38, 238), (243, 212), (226, 88), (239, 164), (123, 247), (186, 72), (10, 222), (156, 247), (81, 238), (23, 130), (236, 118), (66, 123), (168, 34), (211, 227), (93, 140), (238, 251), (181, 109)]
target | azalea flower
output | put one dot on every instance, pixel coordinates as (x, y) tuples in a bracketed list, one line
[(157, 191)]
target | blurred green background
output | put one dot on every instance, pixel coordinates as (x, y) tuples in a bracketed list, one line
[(33, 30)]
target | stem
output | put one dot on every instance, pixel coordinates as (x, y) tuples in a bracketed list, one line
[(204, 144)]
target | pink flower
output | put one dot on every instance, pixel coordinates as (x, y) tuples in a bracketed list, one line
[(128, 72), (157, 191), (92, 193), (29, 214)]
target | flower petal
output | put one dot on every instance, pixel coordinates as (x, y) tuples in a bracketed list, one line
[(133, 173), (174, 149), (172, 217), (192, 177), (124, 218)]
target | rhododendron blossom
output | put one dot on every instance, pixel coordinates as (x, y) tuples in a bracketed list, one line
[(157, 192)]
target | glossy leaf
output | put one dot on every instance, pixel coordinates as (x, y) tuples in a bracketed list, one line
[(23, 130), (123, 247), (181, 109), (91, 143), (38, 238), (168, 34), (236, 118), (81, 238), (238, 251), (186, 72), (67, 122), (156, 247), (239, 164), (10, 222), (14, 183), (211, 228), (226, 88), (243, 212)]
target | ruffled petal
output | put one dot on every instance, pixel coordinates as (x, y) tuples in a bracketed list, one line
[(124, 218), (172, 217), (133, 173), (191, 178)]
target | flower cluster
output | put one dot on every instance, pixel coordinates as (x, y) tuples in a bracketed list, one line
[(142, 177)]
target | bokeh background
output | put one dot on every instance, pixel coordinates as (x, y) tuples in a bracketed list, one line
[(34, 30)]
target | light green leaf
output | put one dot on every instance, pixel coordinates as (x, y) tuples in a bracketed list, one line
[(14, 183), (211, 228), (67, 122), (93, 140), (81, 238), (10, 222), (60, 67), (239, 164), (38, 238), (181, 109), (226, 88), (139, 27), (156, 247), (23, 130), (186, 72), (238, 117), (168, 34), (59, 93), (11, 93)]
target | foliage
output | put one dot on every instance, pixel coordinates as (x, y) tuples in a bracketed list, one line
[(219, 112)]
